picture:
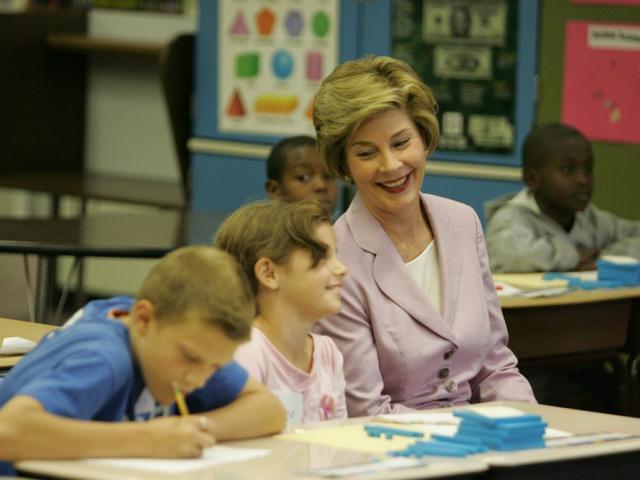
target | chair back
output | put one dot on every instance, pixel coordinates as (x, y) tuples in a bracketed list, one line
[(177, 77)]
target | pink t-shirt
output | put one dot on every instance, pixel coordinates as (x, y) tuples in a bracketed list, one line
[(308, 397)]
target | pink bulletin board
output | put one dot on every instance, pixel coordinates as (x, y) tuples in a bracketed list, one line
[(608, 2), (601, 90)]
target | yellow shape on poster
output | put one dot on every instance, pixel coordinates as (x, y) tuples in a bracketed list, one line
[(276, 103)]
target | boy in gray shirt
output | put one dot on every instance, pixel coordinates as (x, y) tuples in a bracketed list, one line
[(551, 224)]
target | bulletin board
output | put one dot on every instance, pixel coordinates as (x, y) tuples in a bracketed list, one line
[(272, 57), (601, 87), (466, 51)]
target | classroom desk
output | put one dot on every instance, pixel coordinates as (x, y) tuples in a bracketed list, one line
[(19, 328), (577, 326), (290, 459), (113, 235)]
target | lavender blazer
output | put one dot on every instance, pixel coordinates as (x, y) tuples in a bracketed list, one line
[(399, 352)]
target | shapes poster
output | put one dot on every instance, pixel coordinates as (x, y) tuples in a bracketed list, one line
[(272, 57), (601, 91)]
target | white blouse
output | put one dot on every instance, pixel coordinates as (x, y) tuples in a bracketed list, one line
[(425, 269)]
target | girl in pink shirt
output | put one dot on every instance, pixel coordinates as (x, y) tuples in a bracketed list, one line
[(288, 251)]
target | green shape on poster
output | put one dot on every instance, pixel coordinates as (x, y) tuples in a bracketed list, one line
[(247, 65), (320, 24)]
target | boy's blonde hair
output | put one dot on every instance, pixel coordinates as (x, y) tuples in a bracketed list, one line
[(272, 229), (204, 280), (357, 91)]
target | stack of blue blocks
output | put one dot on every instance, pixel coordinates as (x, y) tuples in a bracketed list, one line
[(627, 273), (502, 433), (442, 446)]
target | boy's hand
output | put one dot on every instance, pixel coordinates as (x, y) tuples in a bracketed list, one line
[(179, 437), (588, 257)]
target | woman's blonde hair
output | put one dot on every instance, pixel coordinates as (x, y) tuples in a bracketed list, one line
[(358, 90), (272, 229)]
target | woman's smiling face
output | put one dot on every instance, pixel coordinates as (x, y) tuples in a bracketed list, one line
[(386, 160)]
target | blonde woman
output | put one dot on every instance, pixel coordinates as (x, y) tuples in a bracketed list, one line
[(420, 325)]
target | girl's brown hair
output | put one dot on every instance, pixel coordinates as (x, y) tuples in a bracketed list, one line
[(272, 229)]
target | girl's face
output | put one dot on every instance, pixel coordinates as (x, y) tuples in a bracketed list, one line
[(313, 290), (386, 160)]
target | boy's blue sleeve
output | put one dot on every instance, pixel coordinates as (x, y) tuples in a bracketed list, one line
[(222, 388), (79, 387)]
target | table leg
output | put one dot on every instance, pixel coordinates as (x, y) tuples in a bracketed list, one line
[(44, 288)]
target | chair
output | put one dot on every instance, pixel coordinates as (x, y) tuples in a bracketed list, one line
[(176, 74)]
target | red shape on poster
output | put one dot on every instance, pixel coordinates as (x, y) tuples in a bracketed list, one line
[(236, 105), (601, 93)]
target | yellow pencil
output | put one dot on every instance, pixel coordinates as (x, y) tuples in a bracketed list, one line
[(180, 402)]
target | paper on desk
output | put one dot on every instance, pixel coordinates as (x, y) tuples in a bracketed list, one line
[(352, 437), (212, 456), (528, 285), (16, 346)]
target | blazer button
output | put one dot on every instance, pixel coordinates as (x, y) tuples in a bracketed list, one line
[(450, 385), (444, 373), (448, 354)]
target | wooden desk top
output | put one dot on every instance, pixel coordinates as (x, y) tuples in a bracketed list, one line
[(289, 459), (572, 297), (19, 328)]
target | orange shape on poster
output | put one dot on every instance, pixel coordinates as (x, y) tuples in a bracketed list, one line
[(310, 109), (276, 103), (265, 20), (236, 107)]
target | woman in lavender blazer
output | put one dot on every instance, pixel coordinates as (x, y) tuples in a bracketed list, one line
[(420, 326)]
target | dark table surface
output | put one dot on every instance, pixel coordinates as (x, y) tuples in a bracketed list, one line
[(147, 235)]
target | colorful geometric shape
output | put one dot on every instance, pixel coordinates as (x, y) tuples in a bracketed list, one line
[(282, 63), (278, 103), (309, 112), (320, 24), (314, 66), (236, 105), (239, 25), (294, 23), (265, 21), (247, 65)]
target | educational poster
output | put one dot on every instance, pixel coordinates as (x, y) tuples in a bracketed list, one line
[(272, 57), (465, 50), (601, 90)]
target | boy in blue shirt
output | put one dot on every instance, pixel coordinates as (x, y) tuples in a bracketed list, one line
[(295, 172), (194, 308)]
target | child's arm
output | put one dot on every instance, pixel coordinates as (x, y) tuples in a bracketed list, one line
[(254, 413), (27, 431)]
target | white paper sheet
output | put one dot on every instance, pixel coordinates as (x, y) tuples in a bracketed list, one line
[(16, 346), (212, 456)]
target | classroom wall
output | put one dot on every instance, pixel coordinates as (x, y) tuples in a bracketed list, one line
[(617, 167)]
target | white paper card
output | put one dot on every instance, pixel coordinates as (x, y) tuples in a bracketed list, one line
[(212, 456), (16, 346)]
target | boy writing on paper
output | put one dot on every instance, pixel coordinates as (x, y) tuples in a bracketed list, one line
[(288, 251), (295, 172), (551, 224), (181, 332)]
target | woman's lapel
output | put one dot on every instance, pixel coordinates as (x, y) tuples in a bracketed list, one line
[(393, 277)]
